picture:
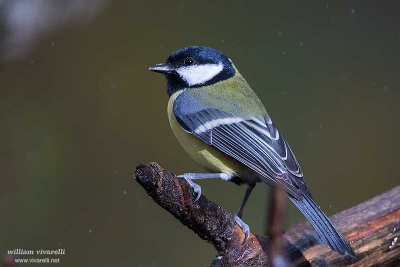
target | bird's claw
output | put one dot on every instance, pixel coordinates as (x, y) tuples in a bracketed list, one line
[(243, 225), (196, 188)]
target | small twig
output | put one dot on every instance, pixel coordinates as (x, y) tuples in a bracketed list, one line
[(277, 205)]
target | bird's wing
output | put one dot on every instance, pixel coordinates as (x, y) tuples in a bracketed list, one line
[(255, 142)]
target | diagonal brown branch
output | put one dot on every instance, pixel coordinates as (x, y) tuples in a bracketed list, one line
[(371, 227)]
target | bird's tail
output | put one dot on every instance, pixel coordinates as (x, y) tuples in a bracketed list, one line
[(323, 226)]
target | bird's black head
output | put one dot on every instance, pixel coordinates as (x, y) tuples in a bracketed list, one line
[(195, 66)]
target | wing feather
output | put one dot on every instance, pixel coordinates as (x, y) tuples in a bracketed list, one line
[(255, 142)]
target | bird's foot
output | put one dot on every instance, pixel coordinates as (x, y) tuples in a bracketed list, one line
[(243, 225), (196, 188)]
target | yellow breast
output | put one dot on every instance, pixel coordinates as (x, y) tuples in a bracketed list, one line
[(205, 155)]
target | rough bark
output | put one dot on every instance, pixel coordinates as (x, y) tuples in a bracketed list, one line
[(372, 227)]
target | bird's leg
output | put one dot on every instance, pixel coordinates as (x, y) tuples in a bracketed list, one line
[(238, 216), (249, 188), (197, 176)]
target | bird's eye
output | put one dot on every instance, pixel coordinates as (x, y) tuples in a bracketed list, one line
[(189, 61)]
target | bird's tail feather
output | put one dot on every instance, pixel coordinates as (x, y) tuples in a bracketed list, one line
[(323, 226)]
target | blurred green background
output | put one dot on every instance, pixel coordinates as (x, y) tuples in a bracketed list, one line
[(80, 110)]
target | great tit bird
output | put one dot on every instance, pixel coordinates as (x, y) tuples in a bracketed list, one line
[(222, 125)]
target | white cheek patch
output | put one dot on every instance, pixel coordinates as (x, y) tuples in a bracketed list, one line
[(199, 74)]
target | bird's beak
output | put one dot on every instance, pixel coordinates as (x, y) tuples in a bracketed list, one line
[(161, 68)]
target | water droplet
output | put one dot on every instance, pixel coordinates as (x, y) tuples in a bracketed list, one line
[(385, 88), (113, 86)]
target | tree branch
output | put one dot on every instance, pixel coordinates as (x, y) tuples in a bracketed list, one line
[(372, 227)]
